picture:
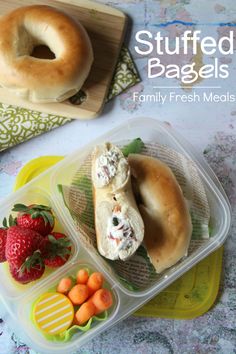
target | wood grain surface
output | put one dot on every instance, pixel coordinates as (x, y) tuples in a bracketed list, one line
[(106, 27)]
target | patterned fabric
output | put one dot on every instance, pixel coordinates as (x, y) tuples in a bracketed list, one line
[(19, 124), (125, 75)]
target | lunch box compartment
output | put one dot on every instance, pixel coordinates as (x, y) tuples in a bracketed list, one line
[(9, 288), (150, 131), (25, 316)]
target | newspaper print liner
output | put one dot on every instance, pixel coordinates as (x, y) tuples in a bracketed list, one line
[(138, 273)]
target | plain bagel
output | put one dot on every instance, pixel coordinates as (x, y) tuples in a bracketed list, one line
[(43, 80), (166, 217)]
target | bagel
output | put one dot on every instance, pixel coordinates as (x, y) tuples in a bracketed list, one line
[(118, 223), (43, 80), (166, 217)]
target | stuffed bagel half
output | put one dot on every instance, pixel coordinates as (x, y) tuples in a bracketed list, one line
[(119, 225)]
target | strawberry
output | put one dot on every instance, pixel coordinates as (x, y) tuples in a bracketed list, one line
[(3, 237), (57, 249), (26, 275), (35, 217), (23, 252), (3, 240)]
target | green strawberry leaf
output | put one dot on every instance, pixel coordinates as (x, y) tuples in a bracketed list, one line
[(12, 220), (35, 214), (34, 260), (58, 247), (52, 239), (62, 242), (44, 216), (50, 217), (63, 252), (43, 207), (35, 211), (4, 223), (20, 207), (39, 207)]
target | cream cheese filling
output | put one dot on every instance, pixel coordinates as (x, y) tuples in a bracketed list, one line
[(120, 231), (106, 166)]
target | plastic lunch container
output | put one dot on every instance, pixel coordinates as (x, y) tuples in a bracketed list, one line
[(18, 299)]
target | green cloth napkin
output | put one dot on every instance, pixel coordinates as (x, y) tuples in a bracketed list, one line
[(19, 124)]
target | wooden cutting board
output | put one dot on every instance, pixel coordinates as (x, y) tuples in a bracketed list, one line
[(106, 27)]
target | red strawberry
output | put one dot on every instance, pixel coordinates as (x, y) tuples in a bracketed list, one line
[(57, 249), (35, 217), (3, 236), (26, 275), (21, 245), (3, 240)]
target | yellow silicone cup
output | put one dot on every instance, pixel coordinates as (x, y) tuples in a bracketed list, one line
[(53, 313)]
